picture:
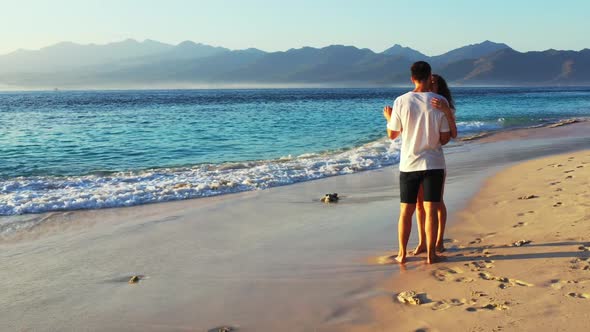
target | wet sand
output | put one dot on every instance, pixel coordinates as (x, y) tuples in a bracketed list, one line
[(276, 259)]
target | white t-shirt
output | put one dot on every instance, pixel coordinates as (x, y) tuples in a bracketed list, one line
[(421, 125)]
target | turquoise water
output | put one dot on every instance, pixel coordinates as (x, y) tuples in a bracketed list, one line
[(90, 149)]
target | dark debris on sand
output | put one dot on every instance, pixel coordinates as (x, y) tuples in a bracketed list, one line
[(330, 198)]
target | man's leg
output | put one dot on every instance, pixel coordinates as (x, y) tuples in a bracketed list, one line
[(432, 184), (420, 220), (404, 227), (409, 184)]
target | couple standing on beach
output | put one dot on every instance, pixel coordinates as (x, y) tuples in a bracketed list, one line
[(425, 120)]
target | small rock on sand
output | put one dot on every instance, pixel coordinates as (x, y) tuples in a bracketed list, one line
[(521, 243), (528, 197), (330, 198), (222, 329)]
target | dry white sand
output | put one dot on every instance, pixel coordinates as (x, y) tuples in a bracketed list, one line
[(276, 259)]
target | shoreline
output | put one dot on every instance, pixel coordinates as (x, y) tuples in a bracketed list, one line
[(192, 182), (270, 259)]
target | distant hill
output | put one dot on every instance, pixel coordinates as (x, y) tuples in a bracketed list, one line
[(191, 50), (474, 51), (507, 66), (130, 63), (406, 52), (67, 55)]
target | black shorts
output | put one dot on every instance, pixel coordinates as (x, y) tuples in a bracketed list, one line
[(432, 181)]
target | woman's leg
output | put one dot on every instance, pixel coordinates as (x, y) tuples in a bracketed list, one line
[(420, 221), (442, 221)]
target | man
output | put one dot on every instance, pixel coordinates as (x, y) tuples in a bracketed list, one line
[(424, 130)]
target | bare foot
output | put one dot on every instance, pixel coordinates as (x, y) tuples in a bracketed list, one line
[(419, 249), (400, 259), (434, 259), (440, 248)]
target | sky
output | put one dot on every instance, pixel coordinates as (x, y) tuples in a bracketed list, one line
[(430, 26)]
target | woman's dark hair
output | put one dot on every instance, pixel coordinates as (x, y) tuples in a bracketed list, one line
[(443, 89)]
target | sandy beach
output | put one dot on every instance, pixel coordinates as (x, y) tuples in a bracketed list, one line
[(518, 258), (280, 260)]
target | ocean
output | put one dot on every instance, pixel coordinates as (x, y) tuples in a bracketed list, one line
[(69, 150)]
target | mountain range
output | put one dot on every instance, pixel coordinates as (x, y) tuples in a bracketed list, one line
[(134, 64)]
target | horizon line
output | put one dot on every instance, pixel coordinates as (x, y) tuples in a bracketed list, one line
[(256, 48), (3, 89)]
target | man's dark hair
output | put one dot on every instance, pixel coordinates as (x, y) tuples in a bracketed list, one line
[(421, 71)]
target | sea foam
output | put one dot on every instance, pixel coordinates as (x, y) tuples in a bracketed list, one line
[(38, 194)]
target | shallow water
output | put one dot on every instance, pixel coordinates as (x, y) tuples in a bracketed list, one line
[(96, 149)]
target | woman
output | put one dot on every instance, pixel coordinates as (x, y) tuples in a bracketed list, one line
[(439, 86)]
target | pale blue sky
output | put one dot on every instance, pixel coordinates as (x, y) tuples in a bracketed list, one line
[(430, 26)]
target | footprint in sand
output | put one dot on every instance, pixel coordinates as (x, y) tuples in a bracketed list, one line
[(486, 276), (496, 306), (479, 265), (558, 189), (491, 306), (476, 241), (579, 295), (519, 224), (580, 259), (580, 166), (446, 273), (486, 253), (446, 304), (584, 247), (464, 279), (558, 284), (581, 263), (554, 183), (558, 204), (520, 283), (569, 171), (478, 294), (483, 252), (504, 281), (450, 274)]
